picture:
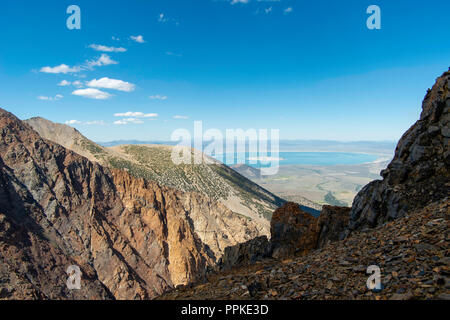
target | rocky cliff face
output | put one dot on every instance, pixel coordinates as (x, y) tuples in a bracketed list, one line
[(131, 238), (420, 171)]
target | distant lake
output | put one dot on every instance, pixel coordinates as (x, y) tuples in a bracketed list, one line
[(299, 158)]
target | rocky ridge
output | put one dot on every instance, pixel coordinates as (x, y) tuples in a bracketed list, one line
[(131, 238)]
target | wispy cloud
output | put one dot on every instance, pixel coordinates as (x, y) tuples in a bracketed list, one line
[(136, 114), (89, 123), (129, 121), (72, 122), (170, 53), (55, 98), (92, 93), (98, 47), (158, 97), (138, 39), (62, 68), (65, 83), (180, 117), (104, 60), (239, 1), (107, 83), (162, 18), (95, 122), (288, 10)]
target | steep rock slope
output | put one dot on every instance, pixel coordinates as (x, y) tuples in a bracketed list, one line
[(131, 238), (420, 171)]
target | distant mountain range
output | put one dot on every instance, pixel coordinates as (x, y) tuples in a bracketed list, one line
[(375, 147)]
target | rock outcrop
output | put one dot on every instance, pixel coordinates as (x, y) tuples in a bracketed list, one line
[(420, 171), (292, 230), (332, 225), (244, 254)]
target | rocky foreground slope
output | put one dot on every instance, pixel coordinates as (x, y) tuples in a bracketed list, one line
[(131, 238), (413, 254), (400, 224)]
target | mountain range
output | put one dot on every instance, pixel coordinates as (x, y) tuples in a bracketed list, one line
[(139, 227)]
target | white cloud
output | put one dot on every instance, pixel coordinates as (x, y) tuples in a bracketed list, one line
[(92, 93), (95, 122), (108, 83), (98, 47), (62, 68), (138, 39), (180, 117), (104, 60), (128, 121), (72, 122), (64, 83), (288, 10), (158, 97), (136, 114), (268, 10), (55, 98)]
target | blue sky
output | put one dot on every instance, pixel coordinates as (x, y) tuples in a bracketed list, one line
[(309, 68)]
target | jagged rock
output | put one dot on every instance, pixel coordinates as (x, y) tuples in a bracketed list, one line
[(332, 224), (420, 170), (292, 230), (245, 253)]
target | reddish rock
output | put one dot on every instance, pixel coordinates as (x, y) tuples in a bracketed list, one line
[(332, 224), (292, 231), (132, 239)]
